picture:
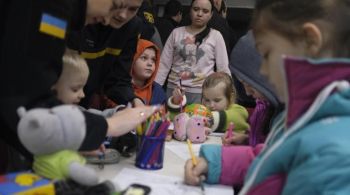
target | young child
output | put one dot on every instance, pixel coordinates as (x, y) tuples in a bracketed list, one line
[(306, 151), (143, 72), (219, 96), (70, 84), (245, 66), (69, 89)]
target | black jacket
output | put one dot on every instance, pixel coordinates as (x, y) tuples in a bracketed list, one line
[(31, 61), (109, 53)]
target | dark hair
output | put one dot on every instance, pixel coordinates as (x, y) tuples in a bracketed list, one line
[(172, 8), (200, 36), (221, 77), (287, 16)]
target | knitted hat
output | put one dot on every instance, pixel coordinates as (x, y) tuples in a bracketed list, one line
[(44, 131), (245, 62)]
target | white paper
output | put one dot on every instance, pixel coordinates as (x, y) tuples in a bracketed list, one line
[(181, 149), (165, 185)]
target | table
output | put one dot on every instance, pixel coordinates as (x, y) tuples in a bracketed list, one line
[(173, 164)]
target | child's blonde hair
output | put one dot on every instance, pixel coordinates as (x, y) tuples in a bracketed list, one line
[(74, 64), (221, 77)]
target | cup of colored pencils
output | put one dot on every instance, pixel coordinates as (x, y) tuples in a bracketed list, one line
[(151, 139)]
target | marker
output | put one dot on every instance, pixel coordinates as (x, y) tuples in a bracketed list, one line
[(230, 130)]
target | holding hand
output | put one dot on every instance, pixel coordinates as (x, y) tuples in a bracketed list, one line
[(178, 94), (195, 174)]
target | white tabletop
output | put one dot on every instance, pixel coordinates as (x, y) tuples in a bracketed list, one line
[(173, 164)]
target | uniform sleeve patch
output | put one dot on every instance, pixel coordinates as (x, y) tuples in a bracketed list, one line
[(53, 26)]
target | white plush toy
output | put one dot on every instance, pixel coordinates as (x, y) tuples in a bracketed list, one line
[(53, 136)]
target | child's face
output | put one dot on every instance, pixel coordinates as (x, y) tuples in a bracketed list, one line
[(214, 98), (252, 91), (201, 12), (273, 47), (70, 89), (145, 65)]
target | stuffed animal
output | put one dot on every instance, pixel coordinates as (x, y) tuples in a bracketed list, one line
[(53, 136), (192, 124)]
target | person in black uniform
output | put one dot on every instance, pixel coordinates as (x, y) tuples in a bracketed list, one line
[(32, 43), (109, 49)]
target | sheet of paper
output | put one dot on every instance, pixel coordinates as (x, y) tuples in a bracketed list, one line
[(181, 149), (161, 185)]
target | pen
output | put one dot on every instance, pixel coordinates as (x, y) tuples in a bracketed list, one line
[(194, 161), (230, 130)]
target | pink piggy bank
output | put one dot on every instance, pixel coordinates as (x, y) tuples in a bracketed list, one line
[(180, 123), (196, 129)]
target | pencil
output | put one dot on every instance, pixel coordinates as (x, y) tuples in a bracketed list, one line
[(194, 161)]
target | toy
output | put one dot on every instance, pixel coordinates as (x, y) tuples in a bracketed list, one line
[(54, 136), (192, 124)]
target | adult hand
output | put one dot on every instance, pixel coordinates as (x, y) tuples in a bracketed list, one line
[(126, 120), (236, 139), (194, 174), (137, 102)]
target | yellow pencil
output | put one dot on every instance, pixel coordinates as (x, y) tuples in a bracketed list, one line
[(194, 160)]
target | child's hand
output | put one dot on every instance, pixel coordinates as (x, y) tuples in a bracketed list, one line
[(177, 95), (97, 152), (237, 139), (194, 174)]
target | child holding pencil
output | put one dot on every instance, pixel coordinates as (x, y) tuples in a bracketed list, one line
[(308, 63)]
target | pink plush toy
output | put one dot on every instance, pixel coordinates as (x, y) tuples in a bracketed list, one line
[(193, 128), (180, 123)]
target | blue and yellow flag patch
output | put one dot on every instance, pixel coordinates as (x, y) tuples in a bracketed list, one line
[(53, 26)]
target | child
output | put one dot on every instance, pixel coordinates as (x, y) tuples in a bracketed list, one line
[(143, 72), (69, 89), (219, 96), (306, 151), (192, 53), (245, 66), (70, 84)]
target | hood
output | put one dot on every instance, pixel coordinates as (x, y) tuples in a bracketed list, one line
[(145, 92), (323, 92), (245, 62)]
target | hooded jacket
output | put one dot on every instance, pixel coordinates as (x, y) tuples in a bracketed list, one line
[(151, 93), (307, 150), (245, 64)]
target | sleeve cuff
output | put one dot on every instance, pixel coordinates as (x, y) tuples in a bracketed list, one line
[(219, 121), (212, 153), (176, 107)]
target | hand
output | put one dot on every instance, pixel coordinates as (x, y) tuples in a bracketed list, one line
[(194, 174), (126, 120), (137, 102), (236, 139), (177, 95), (101, 149)]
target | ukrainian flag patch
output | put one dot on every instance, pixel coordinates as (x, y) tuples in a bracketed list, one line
[(53, 26)]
